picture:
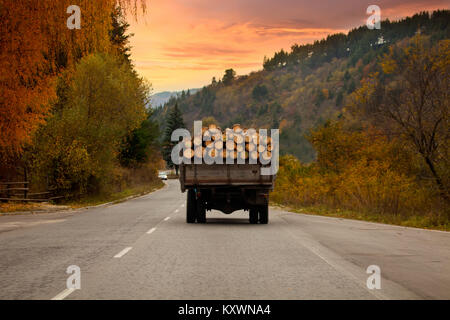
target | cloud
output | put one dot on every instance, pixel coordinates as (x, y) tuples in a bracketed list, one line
[(186, 42), (192, 50)]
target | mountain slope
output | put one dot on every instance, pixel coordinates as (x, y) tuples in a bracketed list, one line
[(301, 89), (161, 98)]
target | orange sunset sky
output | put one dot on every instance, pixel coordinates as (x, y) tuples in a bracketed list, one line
[(182, 44)]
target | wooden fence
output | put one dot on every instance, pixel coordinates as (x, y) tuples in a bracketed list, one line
[(19, 191)]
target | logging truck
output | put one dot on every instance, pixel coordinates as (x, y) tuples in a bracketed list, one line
[(242, 181)]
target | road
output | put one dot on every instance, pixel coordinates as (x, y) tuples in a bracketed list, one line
[(143, 249)]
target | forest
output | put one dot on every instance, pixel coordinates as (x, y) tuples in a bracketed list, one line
[(73, 116)]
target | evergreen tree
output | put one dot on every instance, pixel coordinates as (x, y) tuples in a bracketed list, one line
[(138, 146), (260, 92), (229, 77), (174, 121), (339, 98), (118, 34), (351, 87)]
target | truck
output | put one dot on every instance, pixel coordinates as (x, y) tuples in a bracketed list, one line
[(227, 188)]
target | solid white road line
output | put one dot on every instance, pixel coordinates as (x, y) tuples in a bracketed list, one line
[(123, 252), (166, 219), (63, 294), (151, 231)]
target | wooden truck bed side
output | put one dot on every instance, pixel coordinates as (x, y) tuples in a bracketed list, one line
[(223, 175)]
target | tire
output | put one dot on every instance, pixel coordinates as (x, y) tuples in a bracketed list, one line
[(201, 212), (191, 210), (253, 216), (264, 214)]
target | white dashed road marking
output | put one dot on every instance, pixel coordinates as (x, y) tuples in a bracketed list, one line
[(123, 252), (166, 219), (151, 231), (176, 211)]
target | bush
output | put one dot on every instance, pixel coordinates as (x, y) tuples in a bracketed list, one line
[(361, 171)]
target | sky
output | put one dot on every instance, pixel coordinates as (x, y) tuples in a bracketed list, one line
[(181, 44)]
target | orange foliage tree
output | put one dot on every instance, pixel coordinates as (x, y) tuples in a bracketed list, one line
[(35, 45)]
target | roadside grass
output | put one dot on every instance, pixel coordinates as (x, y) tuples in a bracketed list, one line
[(11, 207), (414, 221), (116, 197), (93, 200)]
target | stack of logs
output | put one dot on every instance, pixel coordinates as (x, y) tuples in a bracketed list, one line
[(236, 145)]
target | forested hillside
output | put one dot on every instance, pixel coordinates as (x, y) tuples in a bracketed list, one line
[(302, 89)]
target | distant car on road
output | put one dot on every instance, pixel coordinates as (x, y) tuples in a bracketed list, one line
[(162, 176)]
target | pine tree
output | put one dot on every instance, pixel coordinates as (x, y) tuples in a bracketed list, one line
[(229, 77), (174, 121), (118, 34), (137, 147)]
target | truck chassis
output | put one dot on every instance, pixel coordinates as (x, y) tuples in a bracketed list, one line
[(227, 188)]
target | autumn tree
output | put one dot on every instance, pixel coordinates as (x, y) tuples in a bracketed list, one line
[(36, 46), (24, 76), (411, 99)]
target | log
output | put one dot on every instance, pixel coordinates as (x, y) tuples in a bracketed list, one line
[(250, 147), (238, 138), (237, 128), (254, 155), (198, 152), (187, 143), (188, 153), (264, 140), (212, 153), (261, 148), (266, 156), (231, 154), (218, 145), (243, 155), (198, 141), (230, 145), (215, 134)]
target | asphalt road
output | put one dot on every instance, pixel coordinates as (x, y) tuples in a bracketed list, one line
[(143, 249)]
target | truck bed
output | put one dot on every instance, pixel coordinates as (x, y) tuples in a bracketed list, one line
[(223, 175)]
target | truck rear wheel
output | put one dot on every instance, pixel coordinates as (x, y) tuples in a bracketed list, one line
[(264, 214), (253, 216), (201, 212), (191, 208)]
